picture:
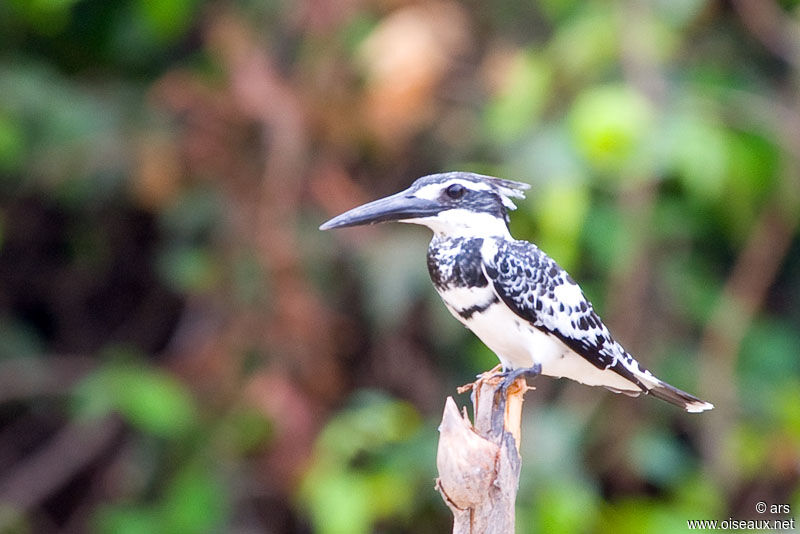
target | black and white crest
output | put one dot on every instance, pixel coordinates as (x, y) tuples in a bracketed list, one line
[(469, 199), (479, 188), (513, 296)]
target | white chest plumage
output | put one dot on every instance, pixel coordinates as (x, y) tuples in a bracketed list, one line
[(517, 343)]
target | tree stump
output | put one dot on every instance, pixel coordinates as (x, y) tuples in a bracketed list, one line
[(479, 464)]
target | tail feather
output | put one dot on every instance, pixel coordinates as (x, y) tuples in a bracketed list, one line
[(648, 383), (675, 396)]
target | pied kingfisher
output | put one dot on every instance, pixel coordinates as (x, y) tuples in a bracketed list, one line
[(513, 296)]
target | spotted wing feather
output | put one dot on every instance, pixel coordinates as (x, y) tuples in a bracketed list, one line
[(540, 291)]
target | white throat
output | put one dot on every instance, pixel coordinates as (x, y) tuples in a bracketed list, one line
[(461, 222)]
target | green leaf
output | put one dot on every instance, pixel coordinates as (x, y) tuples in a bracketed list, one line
[(12, 145), (358, 474), (566, 506), (189, 268), (746, 448), (167, 19), (194, 502), (479, 355), (557, 9), (641, 516), (701, 155), (586, 43), (146, 397), (754, 169), (606, 238), (658, 457), (608, 124), (561, 209), (45, 17), (768, 355), (697, 496), (340, 504), (695, 286), (391, 492), (678, 13), (373, 421), (124, 519), (248, 430), (784, 399), (519, 102)]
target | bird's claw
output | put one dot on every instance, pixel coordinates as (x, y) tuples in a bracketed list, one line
[(509, 377)]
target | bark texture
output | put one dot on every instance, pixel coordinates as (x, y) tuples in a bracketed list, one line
[(479, 464)]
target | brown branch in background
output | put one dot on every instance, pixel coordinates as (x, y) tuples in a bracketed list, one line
[(34, 477), (52, 375), (252, 137), (639, 55), (262, 207), (479, 465), (769, 241), (29, 482), (744, 292), (269, 99), (779, 33), (629, 310), (628, 306)]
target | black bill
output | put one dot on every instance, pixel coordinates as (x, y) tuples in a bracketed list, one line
[(398, 207)]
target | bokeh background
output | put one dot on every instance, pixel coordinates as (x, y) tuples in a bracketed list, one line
[(182, 351)]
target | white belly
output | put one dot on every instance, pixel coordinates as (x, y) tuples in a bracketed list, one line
[(520, 345)]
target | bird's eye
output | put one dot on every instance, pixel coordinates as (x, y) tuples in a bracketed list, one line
[(455, 191)]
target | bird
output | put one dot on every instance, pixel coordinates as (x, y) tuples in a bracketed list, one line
[(520, 303)]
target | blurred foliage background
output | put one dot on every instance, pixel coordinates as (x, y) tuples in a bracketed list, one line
[(182, 351)]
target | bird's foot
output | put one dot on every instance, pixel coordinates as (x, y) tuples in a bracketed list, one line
[(509, 377)]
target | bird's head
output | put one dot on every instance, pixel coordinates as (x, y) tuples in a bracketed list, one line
[(453, 203)]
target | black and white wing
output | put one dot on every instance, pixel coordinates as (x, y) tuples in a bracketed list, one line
[(537, 289)]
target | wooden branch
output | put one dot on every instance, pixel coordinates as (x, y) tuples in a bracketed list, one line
[(479, 465), (30, 482)]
